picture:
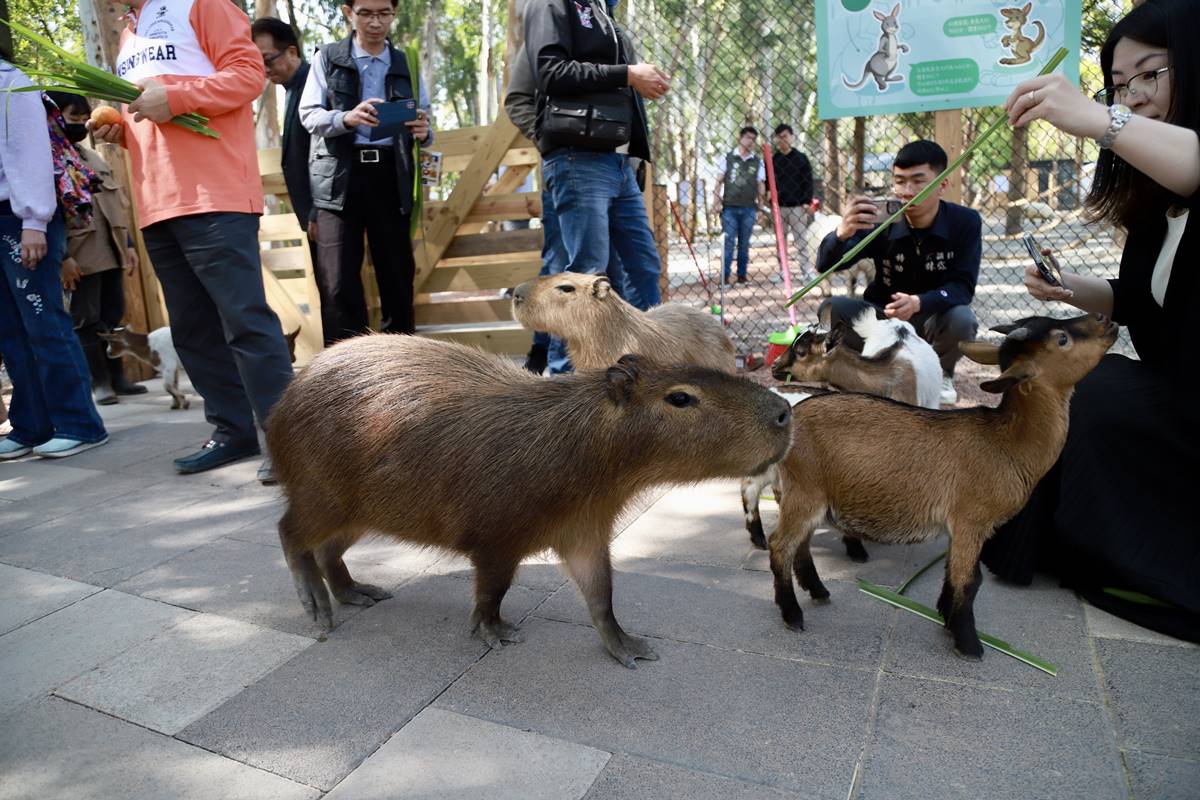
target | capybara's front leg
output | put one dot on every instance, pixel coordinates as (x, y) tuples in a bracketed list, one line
[(306, 575), (493, 576), (591, 568), (344, 588)]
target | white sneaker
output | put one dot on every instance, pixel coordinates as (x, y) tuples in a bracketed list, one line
[(949, 396)]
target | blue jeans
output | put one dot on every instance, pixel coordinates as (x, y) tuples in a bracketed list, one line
[(554, 260), (52, 388), (738, 224)]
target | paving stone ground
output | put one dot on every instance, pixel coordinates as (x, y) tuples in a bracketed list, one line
[(151, 646)]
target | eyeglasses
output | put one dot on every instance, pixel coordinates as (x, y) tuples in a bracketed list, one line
[(1144, 85), (383, 17), (269, 60)]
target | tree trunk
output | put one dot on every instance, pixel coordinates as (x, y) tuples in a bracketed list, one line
[(833, 168), (514, 38), (266, 128), (484, 75), (860, 147), (1016, 181), (6, 42)]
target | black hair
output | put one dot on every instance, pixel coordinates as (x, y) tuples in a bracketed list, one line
[(922, 151), (351, 3), (784, 127), (280, 32), (1121, 194), (66, 100), (748, 129)]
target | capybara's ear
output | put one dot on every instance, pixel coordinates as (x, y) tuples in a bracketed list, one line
[(621, 379), (980, 352), (629, 359), (601, 287), (1014, 375)]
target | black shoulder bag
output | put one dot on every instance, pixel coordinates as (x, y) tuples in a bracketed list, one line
[(597, 121)]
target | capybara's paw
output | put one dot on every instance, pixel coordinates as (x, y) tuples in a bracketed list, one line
[(630, 649), (361, 594), (496, 634)]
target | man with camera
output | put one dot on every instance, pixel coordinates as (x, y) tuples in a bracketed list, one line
[(926, 263), (590, 121)]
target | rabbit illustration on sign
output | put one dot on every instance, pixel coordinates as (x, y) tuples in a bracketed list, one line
[(882, 62), (1022, 46)]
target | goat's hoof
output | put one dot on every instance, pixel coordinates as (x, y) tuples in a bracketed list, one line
[(794, 621), (822, 600), (855, 550), (969, 656)]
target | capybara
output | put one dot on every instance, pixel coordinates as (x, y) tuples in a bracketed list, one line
[(443, 445)]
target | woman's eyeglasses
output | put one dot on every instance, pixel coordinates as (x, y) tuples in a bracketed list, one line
[(1144, 84)]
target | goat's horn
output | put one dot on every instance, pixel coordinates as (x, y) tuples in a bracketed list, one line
[(1019, 335)]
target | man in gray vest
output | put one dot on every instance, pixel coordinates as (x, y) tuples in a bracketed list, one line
[(740, 190), (359, 185)]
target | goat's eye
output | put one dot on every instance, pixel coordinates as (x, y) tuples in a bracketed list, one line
[(1063, 340), (681, 399), (566, 288)]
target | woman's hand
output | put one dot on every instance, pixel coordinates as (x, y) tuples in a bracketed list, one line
[(1059, 102), (131, 261), (1039, 288), (70, 274), (33, 248)]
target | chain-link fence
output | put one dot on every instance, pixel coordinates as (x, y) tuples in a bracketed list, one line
[(735, 63)]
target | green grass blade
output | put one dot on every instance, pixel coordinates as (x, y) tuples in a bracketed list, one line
[(899, 601), (900, 589), (922, 196), (1135, 597)]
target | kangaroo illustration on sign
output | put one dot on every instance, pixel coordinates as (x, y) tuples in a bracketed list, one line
[(882, 62), (1022, 46)]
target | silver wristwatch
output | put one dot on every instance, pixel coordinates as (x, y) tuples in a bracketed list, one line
[(1118, 115)]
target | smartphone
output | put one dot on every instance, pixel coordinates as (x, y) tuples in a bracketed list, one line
[(392, 117), (1046, 265), (885, 208)]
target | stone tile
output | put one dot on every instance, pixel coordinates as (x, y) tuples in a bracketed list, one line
[(65, 751), (939, 739), (541, 573), (1042, 619), (698, 707), (1104, 625), (84, 498), (426, 759), (251, 582), (26, 595), (29, 477), (49, 652), (1155, 695), (183, 672), (1156, 777), (128, 449), (629, 778), (319, 715), (700, 524), (126, 538), (734, 609)]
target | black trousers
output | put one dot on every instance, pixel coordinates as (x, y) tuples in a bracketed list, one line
[(943, 330), (372, 207), (97, 304), (228, 338)]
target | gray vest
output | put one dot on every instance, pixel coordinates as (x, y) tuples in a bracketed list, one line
[(330, 159), (741, 181)]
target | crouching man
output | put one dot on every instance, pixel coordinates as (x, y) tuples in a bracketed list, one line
[(926, 263)]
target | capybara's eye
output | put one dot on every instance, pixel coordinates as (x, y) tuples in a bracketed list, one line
[(1064, 340), (566, 287), (681, 399)]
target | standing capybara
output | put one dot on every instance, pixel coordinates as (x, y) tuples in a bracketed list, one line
[(442, 445)]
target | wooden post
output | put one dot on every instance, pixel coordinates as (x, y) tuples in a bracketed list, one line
[(833, 168), (860, 154), (948, 132), (1018, 164), (660, 228)]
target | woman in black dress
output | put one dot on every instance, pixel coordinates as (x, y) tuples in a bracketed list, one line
[(1115, 517)]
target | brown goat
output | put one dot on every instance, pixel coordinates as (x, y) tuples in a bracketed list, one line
[(893, 473), (442, 445), (808, 360)]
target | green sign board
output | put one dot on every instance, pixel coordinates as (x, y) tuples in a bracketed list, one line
[(889, 57)]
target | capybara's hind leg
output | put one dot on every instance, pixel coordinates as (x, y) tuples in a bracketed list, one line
[(492, 578), (343, 587), (306, 575), (591, 568)]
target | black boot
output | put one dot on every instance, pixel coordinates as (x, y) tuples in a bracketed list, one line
[(102, 390), (535, 361), (120, 384)]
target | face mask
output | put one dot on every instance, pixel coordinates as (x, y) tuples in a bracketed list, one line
[(76, 132)]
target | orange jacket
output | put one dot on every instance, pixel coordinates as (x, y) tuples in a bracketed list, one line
[(201, 51)]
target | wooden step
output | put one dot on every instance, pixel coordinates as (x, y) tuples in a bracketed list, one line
[(505, 338)]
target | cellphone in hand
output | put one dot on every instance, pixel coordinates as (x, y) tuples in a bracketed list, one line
[(885, 208), (1047, 267)]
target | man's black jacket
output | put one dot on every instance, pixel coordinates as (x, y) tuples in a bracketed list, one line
[(574, 48)]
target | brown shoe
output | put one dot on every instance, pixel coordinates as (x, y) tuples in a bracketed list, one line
[(743, 279)]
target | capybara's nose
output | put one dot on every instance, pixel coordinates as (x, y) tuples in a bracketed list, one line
[(784, 418), (520, 293)]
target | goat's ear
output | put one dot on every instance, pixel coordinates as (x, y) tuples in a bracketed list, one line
[(1013, 376), (981, 352), (621, 379), (601, 288)]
